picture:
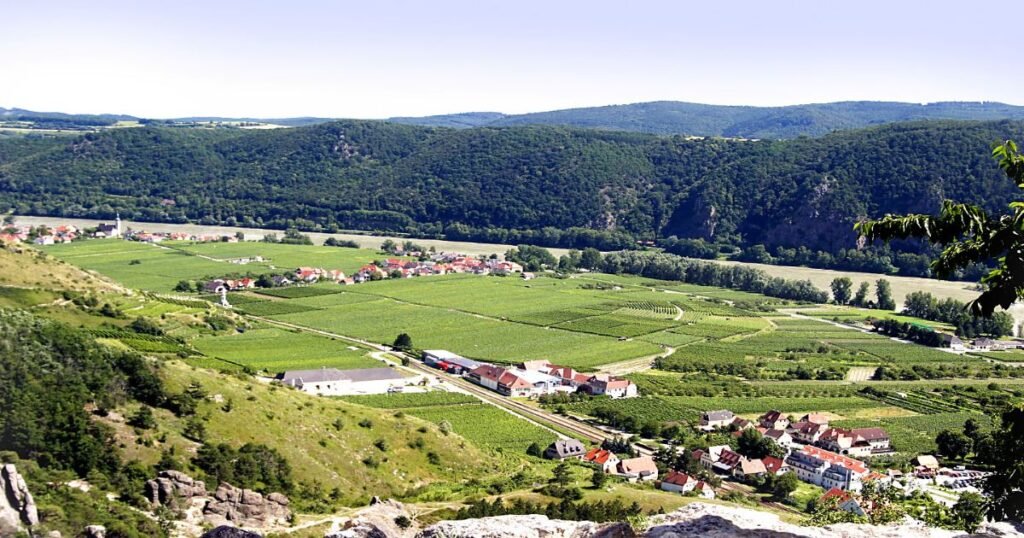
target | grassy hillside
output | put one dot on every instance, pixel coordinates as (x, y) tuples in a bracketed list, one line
[(23, 267), (322, 438)]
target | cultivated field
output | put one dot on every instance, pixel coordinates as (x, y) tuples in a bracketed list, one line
[(483, 424)]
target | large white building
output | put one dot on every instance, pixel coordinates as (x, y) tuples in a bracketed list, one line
[(334, 382)]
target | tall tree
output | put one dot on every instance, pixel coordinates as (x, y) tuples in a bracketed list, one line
[(842, 290), (861, 298), (883, 295)]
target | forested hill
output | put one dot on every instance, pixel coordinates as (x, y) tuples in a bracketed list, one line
[(674, 117), (481, 182)]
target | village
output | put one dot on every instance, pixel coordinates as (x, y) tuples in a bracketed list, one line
[(809, 448)]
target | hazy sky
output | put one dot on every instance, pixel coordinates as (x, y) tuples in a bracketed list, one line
[(378, 58)]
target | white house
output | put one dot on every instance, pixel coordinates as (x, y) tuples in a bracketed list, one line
[(334, 382)]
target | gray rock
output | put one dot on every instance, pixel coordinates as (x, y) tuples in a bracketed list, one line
[(225, 531), (171, 488), (246, 508), (526, 526), (95, 531), (17, 508)]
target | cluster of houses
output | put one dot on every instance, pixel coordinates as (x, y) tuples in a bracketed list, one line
[(955, 343), (819, 454), (529, 379), (42, 235), (335, 382), (638, 469)]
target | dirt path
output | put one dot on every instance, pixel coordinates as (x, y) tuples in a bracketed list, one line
[(680, 313)]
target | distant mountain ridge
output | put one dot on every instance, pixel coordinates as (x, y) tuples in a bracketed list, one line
[(675, 117), (656, 117)]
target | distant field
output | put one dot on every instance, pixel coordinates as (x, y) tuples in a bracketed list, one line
[(276, 350), (138, 265), (901, 285)]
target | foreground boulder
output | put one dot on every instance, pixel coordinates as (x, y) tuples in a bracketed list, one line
[(225, 531), (718, 521), (379, 520), (17, 508), (527, 526)]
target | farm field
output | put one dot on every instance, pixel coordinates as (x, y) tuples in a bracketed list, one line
[(138, 265), (277, 350), (480, 423)]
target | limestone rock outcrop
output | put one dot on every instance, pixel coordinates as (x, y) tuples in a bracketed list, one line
[(527, 526), (379, 520), (173, 488), (718, 521), (246, 508), (17, 509)]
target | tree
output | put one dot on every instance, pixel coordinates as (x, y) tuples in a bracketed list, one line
[(534, 450), (1005, 487), (954, 445), (785, 485), (749, 444), (183, 286), (969, 511), (598, 479), (883, 295), (560, 474), (403, 342), (590, 258), (969, 235), (143, 418), (972, 429), (861, 298), (842, 290)]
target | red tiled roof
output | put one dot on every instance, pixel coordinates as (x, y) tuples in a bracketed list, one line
[(486, 371), (856, 466), (836, 493), (598, 455), (677, 478), (772, 464)]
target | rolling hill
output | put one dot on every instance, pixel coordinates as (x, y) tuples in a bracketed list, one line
[(675, 117), (555, 186)]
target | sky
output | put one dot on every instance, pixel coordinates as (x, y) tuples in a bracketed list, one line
[(382, 58)]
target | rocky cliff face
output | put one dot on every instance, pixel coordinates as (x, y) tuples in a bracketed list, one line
[(17, 509)]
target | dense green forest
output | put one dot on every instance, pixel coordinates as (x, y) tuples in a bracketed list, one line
[(674, 117), (551, 186)]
